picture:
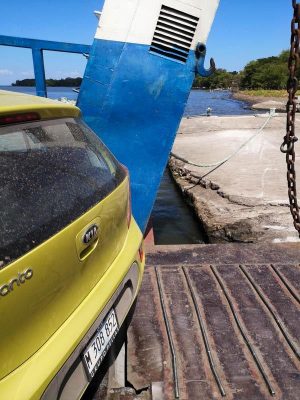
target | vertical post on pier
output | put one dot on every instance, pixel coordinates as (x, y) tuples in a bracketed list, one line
[(39, 72)]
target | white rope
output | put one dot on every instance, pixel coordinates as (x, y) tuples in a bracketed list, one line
[(231, 155)]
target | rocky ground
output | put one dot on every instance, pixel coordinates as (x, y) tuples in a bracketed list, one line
[(244, 200)]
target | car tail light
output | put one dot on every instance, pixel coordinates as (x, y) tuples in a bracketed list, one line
[(19, 118), (141, 252), (129, 211)]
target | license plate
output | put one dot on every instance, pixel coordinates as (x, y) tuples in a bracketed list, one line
[(99, 345)]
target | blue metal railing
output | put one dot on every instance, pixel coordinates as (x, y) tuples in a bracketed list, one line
[(38, 46)]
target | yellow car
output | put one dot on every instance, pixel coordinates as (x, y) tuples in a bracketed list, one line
[(71, 256)]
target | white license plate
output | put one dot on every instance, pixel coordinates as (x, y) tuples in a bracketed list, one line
[(99, 345)]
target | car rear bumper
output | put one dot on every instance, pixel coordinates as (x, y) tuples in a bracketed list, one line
[(56, 371)]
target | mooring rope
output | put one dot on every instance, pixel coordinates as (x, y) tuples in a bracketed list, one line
[(218, 164)]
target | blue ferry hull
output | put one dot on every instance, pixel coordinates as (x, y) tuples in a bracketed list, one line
[(134, 101)]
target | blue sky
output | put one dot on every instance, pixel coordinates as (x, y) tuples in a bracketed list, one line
[(242, 31)]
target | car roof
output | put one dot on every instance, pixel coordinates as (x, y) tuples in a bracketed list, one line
[(12, 103)]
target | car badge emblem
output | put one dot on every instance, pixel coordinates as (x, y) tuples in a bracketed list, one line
[(91, 234)]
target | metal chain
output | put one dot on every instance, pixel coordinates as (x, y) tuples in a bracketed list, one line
[(288, 145)]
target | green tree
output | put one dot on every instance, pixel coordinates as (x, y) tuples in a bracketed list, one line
[(71, 82), (220, 79), (264, 73)]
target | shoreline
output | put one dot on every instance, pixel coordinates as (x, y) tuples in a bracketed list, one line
[(261, 102)]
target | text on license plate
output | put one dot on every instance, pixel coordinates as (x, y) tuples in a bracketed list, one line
[(101, 342)]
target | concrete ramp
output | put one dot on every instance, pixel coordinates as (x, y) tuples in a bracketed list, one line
[(244, 199)]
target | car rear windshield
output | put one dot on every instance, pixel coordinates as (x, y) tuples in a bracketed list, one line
[(51, 173)]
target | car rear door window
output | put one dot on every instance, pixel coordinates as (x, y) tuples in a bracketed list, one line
[(51, 173)]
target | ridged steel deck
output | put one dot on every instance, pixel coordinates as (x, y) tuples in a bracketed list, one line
[(215, 321)]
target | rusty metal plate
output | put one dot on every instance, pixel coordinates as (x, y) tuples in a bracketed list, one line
[(205, 330)]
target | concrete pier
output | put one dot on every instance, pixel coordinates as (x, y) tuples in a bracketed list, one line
[(245, 199)]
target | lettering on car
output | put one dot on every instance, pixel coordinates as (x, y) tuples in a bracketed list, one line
[(19, 280)]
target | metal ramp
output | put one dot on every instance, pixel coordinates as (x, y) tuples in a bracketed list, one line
[(218, 320)]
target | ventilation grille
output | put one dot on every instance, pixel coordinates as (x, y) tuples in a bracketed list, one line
[(174, 34)]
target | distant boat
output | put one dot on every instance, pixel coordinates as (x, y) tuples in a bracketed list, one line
[(76, 90)]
